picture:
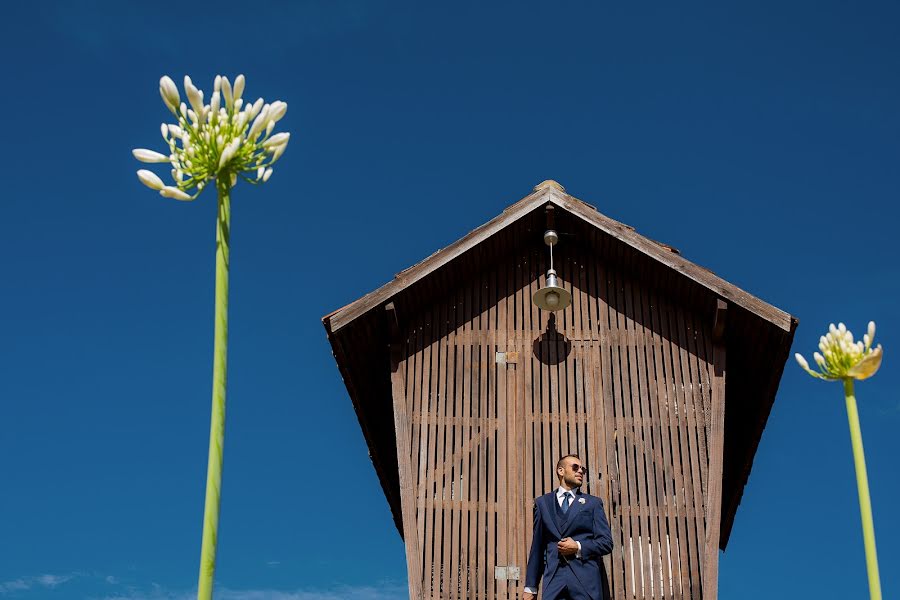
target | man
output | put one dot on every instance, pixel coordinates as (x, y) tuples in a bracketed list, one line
[(571, 534)]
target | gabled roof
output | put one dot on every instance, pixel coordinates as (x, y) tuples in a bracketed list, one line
[(553, 193), (758, 344)]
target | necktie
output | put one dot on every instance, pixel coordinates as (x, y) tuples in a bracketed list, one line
[(567, 499)]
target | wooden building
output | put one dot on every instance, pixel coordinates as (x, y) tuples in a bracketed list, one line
[(660, 376)]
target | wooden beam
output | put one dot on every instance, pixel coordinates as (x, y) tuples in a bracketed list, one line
[(402, 429), (718, 330), (716, 448)]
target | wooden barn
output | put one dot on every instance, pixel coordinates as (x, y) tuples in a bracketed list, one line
[(660, 375)]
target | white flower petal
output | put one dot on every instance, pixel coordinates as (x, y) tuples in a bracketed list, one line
[(173, 192), (149, 156), (150, 179), (238, 87)]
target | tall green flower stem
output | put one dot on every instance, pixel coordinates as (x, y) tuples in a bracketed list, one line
[(862, 484), (222, 141), (843, 359), (217, 420)]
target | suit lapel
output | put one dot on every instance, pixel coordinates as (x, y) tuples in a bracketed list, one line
[(549, 509)]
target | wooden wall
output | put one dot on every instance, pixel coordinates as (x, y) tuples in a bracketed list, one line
[(625, 378)]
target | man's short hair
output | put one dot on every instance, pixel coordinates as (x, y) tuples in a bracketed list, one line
[(559, 463)]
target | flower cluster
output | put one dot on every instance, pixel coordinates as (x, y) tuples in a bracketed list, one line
[(842, 358), (221, 140)]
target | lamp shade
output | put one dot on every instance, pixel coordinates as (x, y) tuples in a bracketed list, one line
[(552, 297)]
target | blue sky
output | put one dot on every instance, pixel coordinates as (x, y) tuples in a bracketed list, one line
[(761, 139)]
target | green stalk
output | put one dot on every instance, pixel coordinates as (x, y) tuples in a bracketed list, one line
[(217, 421), (862, 484)]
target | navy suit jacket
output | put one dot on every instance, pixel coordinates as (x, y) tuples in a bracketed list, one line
[(584, 522)]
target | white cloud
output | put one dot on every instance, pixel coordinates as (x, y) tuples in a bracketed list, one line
[(379, 592), (26, 583)]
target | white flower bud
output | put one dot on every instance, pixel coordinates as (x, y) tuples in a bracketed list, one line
[(176, 131), (270, 127), (183, 109), (820, 360), (150, 179), (214, 104), (842, 328), (258, 124), (217, 83), (267, 174), (871, 331), (832, 329), (149, 156), (238, 103), (226, 92), (173, 192), (278, 110), (257, 106), (169, 93), (802, 361), (164, 129), (259, 172), (195, 96), (279, 150), (238, 87), (233, 179), (277, 140)]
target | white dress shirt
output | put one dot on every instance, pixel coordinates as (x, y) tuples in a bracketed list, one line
[(561, 492)]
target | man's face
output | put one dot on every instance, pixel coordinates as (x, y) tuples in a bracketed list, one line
[(571, 473)]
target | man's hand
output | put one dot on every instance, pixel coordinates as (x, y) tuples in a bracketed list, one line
[(567, 547), (529, 596)]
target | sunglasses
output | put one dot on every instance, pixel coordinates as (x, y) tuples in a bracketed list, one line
[(578, 468)]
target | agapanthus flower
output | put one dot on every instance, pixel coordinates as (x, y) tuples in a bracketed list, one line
[(839, 357), (223, 139)]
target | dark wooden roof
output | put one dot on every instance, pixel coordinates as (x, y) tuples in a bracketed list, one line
[(758, 337)]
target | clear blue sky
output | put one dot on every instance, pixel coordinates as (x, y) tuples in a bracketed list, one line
[(761, 139)]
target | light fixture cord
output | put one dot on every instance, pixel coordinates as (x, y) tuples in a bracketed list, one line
[(551, 256)]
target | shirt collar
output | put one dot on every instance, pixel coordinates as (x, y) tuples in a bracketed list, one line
[(561, 490)]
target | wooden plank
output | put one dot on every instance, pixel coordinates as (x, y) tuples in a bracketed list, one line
[(661, 446), (490, 354), (689, 537), (467, 540), (670, 432), (650, 557), (455, 404), (431, 574), (716, 448), (691, 433), (487, 428), (618, 566), (442, 516), (402, 430), (420, 442)]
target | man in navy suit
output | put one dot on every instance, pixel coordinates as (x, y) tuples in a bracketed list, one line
[(571, 534)]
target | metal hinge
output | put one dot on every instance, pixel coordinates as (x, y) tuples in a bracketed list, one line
[(509, 572), (507, 357)]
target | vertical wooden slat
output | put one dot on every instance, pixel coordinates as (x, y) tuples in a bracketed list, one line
[(607, 360), (402, 431), (716, 447), (432, 574), (467, 541), (455, 402), (646, 465), (661, 457), (689, 539)]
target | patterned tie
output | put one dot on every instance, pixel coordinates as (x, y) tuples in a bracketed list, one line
[(567, 499)]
